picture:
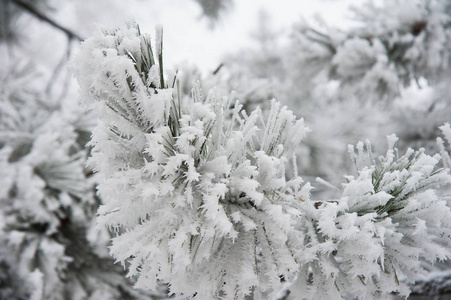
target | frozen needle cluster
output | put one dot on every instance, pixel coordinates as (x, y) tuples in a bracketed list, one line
[(207, 198)]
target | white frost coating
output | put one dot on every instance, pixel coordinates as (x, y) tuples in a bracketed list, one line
[(199, 196)]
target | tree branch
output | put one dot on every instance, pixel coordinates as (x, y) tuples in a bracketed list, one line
[(32, 10)]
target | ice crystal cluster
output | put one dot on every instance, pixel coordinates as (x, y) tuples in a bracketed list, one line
[(207, 198)]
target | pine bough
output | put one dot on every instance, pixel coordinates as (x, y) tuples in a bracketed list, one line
[(208, 199)]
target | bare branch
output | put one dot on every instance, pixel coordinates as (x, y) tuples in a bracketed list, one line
[(32, 10)]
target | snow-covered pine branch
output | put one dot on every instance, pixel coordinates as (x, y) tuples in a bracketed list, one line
[(195, 188), (207, 198), (47, 199), (388, 219)]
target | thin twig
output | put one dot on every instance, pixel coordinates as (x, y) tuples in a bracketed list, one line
[(218, 68), (29, 8)]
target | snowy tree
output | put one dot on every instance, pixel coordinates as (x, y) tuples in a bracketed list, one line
[(207, 198)]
